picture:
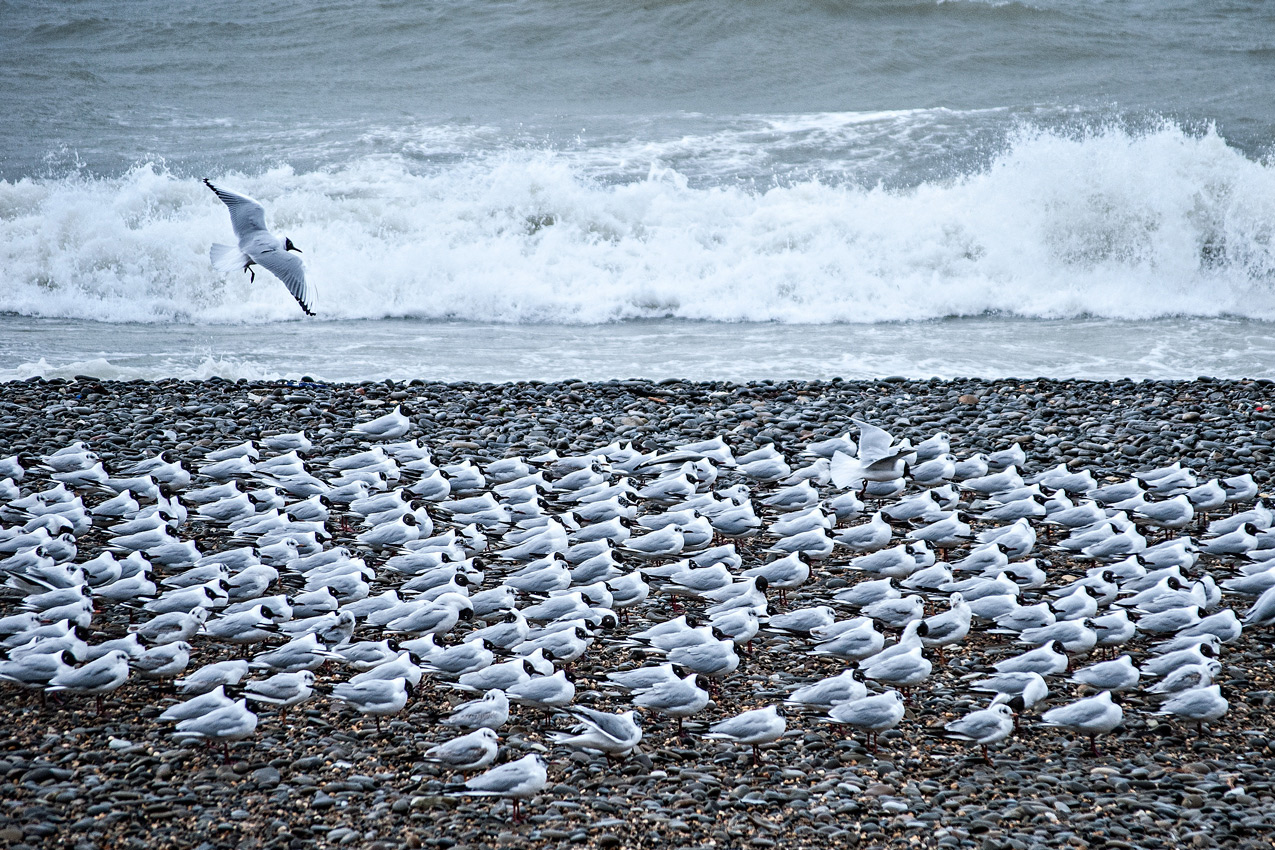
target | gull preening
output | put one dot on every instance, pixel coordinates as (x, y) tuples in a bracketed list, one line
[(258, 246)]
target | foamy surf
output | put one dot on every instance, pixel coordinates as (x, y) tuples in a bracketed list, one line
[(1106, 222)]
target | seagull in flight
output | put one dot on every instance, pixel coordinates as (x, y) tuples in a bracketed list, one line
[(258, 246)]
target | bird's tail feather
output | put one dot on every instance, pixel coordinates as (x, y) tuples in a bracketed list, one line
[(226, 258)]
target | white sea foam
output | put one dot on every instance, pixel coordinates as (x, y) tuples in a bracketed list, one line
[(182, 368), (1107, 222)]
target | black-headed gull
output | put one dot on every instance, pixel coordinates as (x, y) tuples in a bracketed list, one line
[(468, 752), (1091, 716), (754, 728), (874, 714), (258, 246), (515, 779), (989, 725), (611, 734)]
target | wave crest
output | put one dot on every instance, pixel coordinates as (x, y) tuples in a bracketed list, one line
[(1107, 222)]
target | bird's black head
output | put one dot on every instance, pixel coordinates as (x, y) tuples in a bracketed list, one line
[(288, 246)]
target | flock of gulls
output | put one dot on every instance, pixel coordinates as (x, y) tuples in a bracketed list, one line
[(495, 579)]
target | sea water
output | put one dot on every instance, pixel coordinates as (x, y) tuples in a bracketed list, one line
[(516, 190)]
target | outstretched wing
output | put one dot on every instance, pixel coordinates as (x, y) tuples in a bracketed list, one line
[(287, 267), (246, 215), (846, 471), (874, 442)]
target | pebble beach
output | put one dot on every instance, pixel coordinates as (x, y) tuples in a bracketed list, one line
[(325, 776)]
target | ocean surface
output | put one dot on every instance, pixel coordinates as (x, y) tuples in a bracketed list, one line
[(491, 191)]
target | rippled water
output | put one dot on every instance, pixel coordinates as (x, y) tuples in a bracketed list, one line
[(452, 351)]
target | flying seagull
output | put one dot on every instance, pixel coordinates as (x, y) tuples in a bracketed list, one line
[(258, 246)]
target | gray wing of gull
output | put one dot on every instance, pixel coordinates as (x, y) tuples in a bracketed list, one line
[(976, 725), (505, 779), (869, 711), (746, 725), (87, 677), (247, 216), (676, 694), (463, 749), (612, 725), (874, 442), (287, 267), (1081, 714)]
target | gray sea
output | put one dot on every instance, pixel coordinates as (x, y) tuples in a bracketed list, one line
[(519, 190)]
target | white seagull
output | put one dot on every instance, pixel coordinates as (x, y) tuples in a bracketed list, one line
[(515, 779), (468, 752), (258, 246), (756, 727)]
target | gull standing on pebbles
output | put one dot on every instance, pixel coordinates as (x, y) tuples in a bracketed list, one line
[(232, 722), (874, 714), (258, 246), (98, 678), (1117, 675), (826, 693), (377, 697), (491, 711), (210, 676), (1197, 705), (610, 734), (756, 727), (1091, 716), (391, 426), (516, 780), (468, 752), (282, 689), (196, 706), (986, 726), (679, 698)]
